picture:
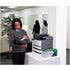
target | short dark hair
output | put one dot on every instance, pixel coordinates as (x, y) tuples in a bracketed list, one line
[(16, 20), (45, 23)]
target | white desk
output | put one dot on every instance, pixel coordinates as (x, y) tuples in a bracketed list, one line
[(36, 59)]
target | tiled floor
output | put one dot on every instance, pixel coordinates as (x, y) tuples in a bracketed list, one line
[(6, 61)]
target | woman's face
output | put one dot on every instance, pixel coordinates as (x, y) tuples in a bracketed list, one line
[(17, 25)]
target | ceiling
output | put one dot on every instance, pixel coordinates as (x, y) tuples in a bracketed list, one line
[(17, 8)]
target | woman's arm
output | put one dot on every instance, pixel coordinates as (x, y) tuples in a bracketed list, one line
[(28, 40), (33, 29), (11, 40), (23, 45)]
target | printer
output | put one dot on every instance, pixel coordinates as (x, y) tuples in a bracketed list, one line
[(41, 42)]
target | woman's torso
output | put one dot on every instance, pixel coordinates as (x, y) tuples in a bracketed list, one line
[(44, 30), (18, 36)]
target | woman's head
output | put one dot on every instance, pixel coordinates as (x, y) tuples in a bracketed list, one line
[(45, 23), (37, 23), (16, 24)]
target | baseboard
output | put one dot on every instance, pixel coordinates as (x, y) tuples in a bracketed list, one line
[(68, 48), (3, 53)]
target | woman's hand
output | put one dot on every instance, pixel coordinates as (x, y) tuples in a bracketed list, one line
[(23, 45), (25, 37)]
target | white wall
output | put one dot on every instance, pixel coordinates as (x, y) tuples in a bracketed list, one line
[(51, 11), (52, 23), (6, 14), (61, 29), (68, 28)]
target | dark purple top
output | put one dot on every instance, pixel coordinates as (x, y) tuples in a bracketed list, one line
[(14, 35)]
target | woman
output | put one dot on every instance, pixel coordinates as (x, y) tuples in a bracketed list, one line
[(45, 27), (36, 28), (18, 41)]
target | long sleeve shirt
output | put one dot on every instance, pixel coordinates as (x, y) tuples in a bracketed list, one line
[(44, 30), (15, 35)]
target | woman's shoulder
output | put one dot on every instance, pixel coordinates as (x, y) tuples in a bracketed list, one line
[(12, 31), (23, 30)]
